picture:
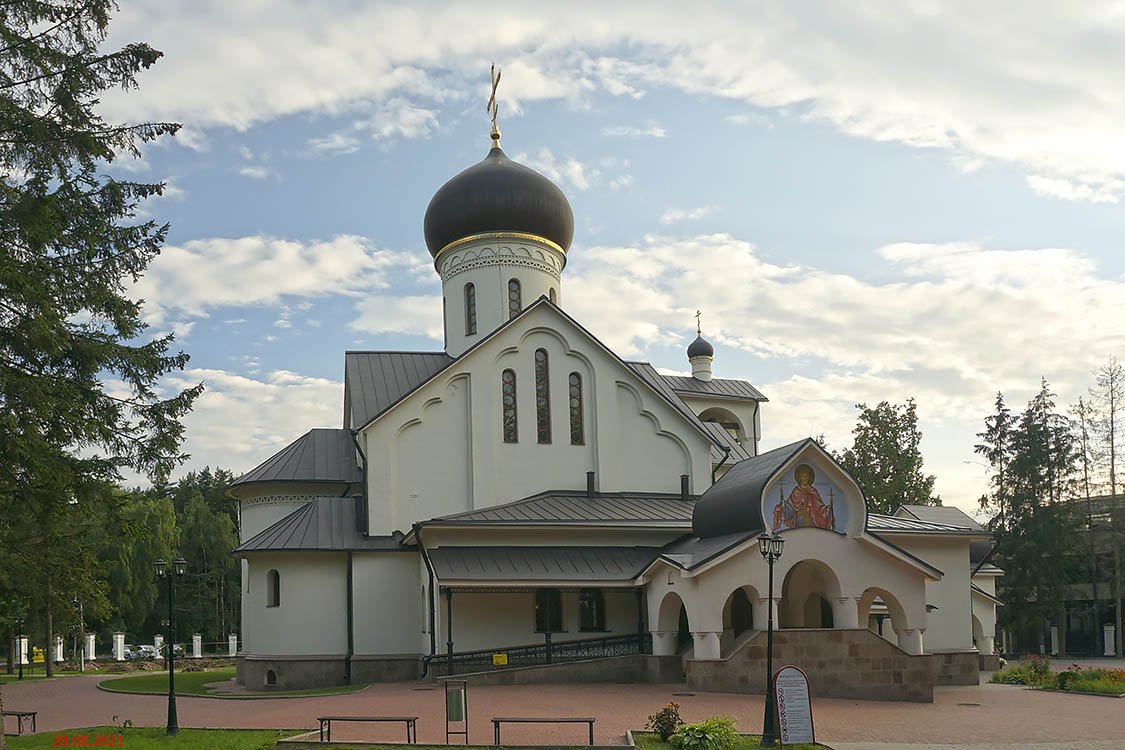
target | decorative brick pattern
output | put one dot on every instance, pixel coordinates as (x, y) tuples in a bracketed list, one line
[(840, 664)]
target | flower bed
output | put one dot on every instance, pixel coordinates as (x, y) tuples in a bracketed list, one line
[(1037, 674)]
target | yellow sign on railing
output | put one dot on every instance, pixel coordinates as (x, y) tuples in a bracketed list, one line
[(499, 660)]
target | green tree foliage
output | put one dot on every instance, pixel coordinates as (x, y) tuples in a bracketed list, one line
[(79, 378), (1037, 530), (886, 460)]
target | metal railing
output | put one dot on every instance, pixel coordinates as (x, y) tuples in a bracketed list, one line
[(548, 652)]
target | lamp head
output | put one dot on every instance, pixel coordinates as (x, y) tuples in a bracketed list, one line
[(161, 567), (764, 544), (776, 543), (181, 566)]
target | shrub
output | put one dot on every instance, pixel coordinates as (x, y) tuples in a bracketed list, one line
[(1040, 665), (716, 733), (665, 721)]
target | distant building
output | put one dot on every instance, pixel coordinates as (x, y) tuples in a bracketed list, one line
[(527, 495)]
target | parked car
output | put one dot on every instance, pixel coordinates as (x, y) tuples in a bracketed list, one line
[(130, 652), (148, 651)]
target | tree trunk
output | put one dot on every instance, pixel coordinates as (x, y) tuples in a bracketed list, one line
[(49, 651)]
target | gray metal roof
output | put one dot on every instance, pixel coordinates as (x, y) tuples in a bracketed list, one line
[(574, 507), (376, 381), (978, 590), (320, 525), (734, 503), (577, 564), (946, 514), (719, 434), (714, 387), (876, 522), (691, 551), (320, 455)]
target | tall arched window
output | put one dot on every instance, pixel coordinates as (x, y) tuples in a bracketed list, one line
[(577, 437), (591, 610), (514, 304), (548, 611), (470, 309), (552, 297), (508, 395), (542, 398), (273, 589)]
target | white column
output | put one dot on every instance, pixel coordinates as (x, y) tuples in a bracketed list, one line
[(197, 646), (910, 640), (119, 647), (21, 649), (845, 612), (58, 651), (1109, 633), (663, 643), (91, 646), (761, 612), (232, 644), (986, 646), (1054, 640), (706, 645), (158, 642)]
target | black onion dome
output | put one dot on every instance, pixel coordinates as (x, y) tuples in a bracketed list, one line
[(498, 195), (701, 347)]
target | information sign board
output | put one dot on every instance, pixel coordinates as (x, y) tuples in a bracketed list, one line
[(499, 660), (794, 707)]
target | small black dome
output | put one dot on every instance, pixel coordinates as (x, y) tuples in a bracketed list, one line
[(701, 347), (498, 195)]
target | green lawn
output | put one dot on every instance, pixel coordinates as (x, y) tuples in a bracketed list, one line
[(192, 683), (153, 738), (745, 742)]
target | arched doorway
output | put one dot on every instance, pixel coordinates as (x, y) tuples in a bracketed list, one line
[(726, 419), (738, 616), (673, 626), (881, 612), (978, 633), (806, 593)]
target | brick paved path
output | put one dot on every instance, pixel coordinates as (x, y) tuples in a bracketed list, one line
[(996, 714)]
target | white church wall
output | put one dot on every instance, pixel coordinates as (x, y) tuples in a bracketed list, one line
[(441, 451), (745, 412), (265, 504), (386, 591), (484, 620), (949, 627), (310, 618)]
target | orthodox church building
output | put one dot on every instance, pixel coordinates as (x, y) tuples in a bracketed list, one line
[(525, 505)]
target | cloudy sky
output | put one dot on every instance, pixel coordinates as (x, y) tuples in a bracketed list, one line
[(868, 201)]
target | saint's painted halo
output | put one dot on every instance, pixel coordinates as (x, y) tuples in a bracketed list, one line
[(804, 469)]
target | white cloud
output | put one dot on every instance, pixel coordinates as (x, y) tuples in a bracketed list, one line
[(673, 215), (335, 143), (1041, 92), (256, 172), (568, 170), (1069, 191), (630, 131), (193, 278), (624, 181), (417, 314), (957, 323)]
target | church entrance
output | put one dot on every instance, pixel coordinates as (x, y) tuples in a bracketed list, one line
[(806, 592)]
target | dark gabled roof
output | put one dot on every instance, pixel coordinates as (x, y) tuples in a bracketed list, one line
[(574, 507), (690, 552), (376, 381), (714, 387), (320, 455), (734, 503), (719, 435), (945, 514), (577, 564), (978, 590), (327, 524), (893, 524)]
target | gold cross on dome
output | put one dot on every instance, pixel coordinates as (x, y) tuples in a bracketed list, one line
[(493, 105)]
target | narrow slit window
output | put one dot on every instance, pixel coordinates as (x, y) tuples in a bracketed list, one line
[(514, 304), (273, 589), (470, 309), (508, 394), (542, 397), (577, 437), (552, 296)]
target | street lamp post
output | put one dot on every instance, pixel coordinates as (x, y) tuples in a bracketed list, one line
[(179, 567), (770, 547)]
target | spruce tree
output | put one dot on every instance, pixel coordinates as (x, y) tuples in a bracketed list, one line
[(79, 374)]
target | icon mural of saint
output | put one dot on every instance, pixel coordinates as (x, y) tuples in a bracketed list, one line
[(804, 506)]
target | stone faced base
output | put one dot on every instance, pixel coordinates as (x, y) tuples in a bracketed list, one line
[(957, 667), (856, 664), (307, 672)]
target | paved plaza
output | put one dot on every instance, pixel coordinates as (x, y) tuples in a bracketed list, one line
[(996, 717)]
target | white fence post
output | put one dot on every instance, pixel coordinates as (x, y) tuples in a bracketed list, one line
[(58, 655), (119, 647), (232, 644), (1109, 632), (21, 649), (91, 646), (197, 646)]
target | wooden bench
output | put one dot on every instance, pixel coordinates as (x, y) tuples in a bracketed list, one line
[(20, 716), (498, 720), (410, 721)]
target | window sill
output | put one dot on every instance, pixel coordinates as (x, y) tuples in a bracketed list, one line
[(552, 632), (595, 630)]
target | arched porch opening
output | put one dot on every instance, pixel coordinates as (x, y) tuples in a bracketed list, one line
[(978, 633), (673, 629), (726, 419), (807, 594), (881, 612), (738, 615)]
